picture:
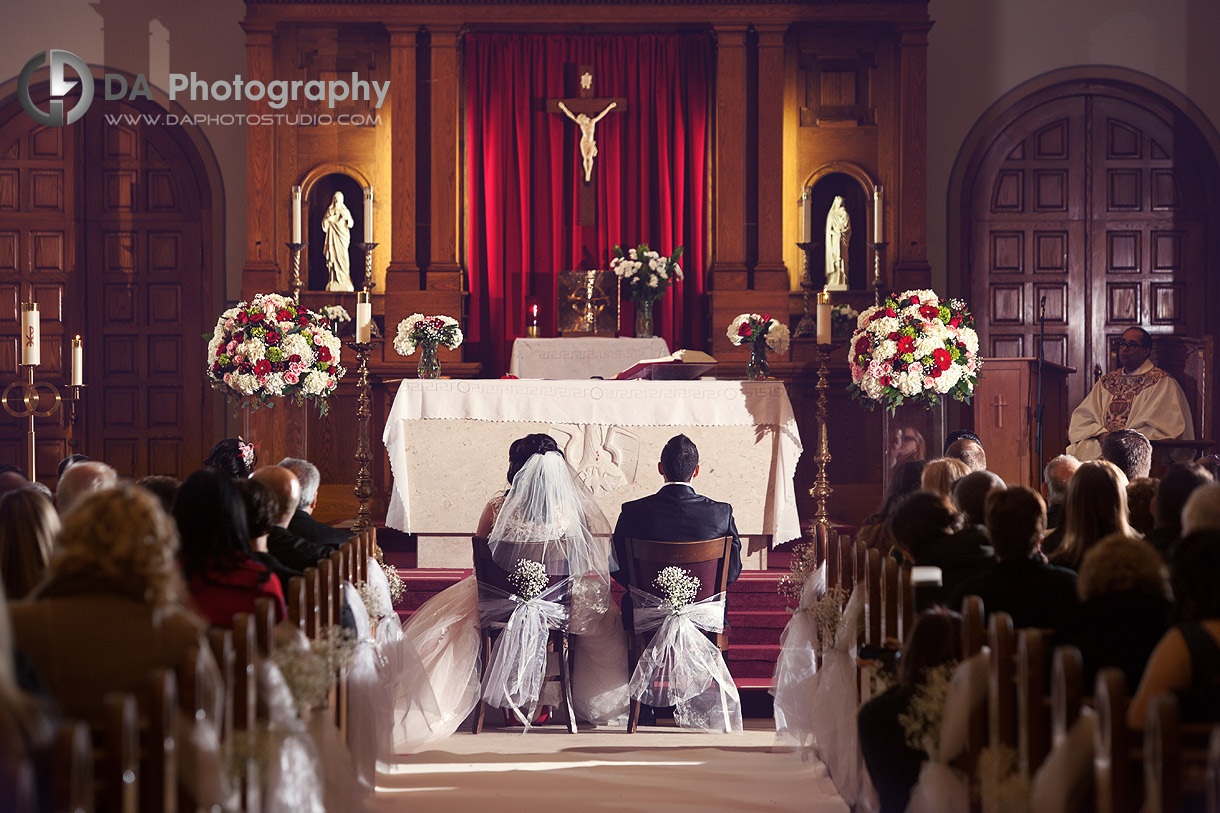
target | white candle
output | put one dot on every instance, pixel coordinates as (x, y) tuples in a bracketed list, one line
[(368, 214), (805, 216), (296, 214), (823, 318), (31, 339), (534, 315), (878, 231), (78, 362), (364, 318)]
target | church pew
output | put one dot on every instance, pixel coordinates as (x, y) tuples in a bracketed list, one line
[(906, 603), (159, 744), (221, 643), (264, 625), (116, 756), (326, 595), (71, 766), (874, 608), (889, 599), (313, 601), (339, 574), (19, 786), (1213, 771), (245, 700), (1001, 684), (1112, 762), (1033, 704), (294, 597), (972, 625), (1067, 691)]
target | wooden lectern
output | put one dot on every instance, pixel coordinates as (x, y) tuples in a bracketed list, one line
[(1005, 401)]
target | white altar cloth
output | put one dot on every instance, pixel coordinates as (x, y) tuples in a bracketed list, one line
[(581, 356), (448, 445)]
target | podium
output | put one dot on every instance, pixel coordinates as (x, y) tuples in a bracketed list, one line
[(1005, 401)]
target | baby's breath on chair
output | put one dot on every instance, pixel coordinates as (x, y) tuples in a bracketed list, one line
[(678, 586), (529, 578)]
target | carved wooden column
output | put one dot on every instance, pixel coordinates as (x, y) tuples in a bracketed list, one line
[(729, 279), (446, 92), (403, 272), (908, 246), (263, 204), (771, 273)]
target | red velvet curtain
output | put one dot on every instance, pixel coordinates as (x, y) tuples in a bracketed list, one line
[(525, 176)]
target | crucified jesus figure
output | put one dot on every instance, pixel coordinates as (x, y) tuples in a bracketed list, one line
[(588, 147)]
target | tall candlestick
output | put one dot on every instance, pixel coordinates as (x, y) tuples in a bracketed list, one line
[(368, 214), (364, 318), (296, 214), (78, 362), (824, 320), (878, 231), (30, 334), (805, 216)]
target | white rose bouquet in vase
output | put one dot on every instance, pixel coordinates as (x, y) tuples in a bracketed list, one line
[(762, 333), (426, 333), (646, 275)]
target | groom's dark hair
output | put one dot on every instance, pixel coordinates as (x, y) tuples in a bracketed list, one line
[(679, 459), (525, 448)]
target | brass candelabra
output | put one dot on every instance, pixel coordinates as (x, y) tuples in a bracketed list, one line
[(295, 249), (878, 251), (808, 326), (369, 282), (75, 394), (364, 453), (821, 490), (31, 407)]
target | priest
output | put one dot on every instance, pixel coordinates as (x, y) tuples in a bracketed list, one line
[(1137, 396)]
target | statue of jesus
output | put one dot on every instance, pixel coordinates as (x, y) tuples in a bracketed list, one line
[(588, 147), (336, 225), (838, 234)]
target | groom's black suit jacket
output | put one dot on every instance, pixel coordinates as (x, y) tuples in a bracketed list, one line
[(674, 514)]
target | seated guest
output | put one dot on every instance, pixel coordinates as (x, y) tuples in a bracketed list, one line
[(81, 479), (1140, 494), (1137, 396), (234, 457), (112, 607), (71, 460), (26, 721), (892, 763), (1021, 583), (1202, 510), (261, 506), (1187, 659), (926, 529), (28, 527), (1124, 610), (676, 513), (1055, 479), (303, 524), (223, 577), (1172, 492), (283, 544), (960, 434), (164, 487), (1130, 451), (904, 480), (1096, 507), (12, 481), (969, 452), (940, 475)]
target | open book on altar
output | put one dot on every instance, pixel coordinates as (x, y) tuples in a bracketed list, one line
[(680, 365)]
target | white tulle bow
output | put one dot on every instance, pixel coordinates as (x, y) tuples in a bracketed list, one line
[(518, 660), (681, 667)]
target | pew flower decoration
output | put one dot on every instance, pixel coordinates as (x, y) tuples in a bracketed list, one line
[(1002, 786), (310, 669), (762, 333), (398, 587), (528, 578), (827, 615), (374, 602), (914, 347), (921, 721), (678, 587), (427, 333), (274, 347)]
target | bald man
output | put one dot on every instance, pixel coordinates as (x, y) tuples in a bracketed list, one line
[(283, 544), (79, 481)]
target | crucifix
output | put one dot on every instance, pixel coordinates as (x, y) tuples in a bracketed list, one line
[(586, 111), (999, 403)]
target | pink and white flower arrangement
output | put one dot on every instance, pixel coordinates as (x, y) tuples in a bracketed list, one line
[(427, 331), (913, 346), (748, 328), (274, 347), (645, 273)]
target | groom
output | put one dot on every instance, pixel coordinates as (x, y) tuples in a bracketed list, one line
[(674, 514)]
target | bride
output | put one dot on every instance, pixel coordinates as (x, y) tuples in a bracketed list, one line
[(547, 516)]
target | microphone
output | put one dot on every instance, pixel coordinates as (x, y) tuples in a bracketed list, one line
[(1042, 309)]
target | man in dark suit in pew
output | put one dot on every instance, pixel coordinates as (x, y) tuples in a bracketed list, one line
[(1021, 583)]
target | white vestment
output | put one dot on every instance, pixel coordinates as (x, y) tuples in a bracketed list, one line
[(1148, 401)]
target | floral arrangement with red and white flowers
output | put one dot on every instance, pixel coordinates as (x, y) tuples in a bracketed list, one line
[(431, 332), (748, 328), (646, 273), (913, 346), (274, 347)]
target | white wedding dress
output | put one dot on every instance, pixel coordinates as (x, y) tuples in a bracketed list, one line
[(547, 516)]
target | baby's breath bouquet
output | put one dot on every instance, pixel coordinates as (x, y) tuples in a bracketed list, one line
[(921, 721), (827, 615), (311, 671), (678, 587), (374, 603), (529, 578), (398, 588)]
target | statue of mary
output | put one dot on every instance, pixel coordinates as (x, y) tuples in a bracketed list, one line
[(336, 225), (838, 235)]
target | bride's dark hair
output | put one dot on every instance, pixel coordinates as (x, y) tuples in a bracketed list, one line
[(525, 448)]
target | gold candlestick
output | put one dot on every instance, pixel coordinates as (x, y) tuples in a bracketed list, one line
[(821, 490), (75, 394), (369, 282), (31, 400), (296, 249), (364, 455), (878, 250)]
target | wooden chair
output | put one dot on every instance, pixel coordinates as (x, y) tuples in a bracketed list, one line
[(487, 572), (72, 767), (706, 559)]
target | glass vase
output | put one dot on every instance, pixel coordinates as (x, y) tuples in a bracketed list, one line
[(914, 431), (758, 368), (429, 365), (643, 320)]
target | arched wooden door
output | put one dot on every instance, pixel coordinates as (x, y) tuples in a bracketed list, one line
[(1093, 198), (104, 223)]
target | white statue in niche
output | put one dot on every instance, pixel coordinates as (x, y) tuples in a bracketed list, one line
[(337, 225), (838, 234), (588, 147)]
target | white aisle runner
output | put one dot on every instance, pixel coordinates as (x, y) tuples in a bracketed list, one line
[(663, 769)]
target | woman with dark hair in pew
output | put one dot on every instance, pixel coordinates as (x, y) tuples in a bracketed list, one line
[(26, 722), (1187, 659), (1124, 593), (904, 480), (893, 764)]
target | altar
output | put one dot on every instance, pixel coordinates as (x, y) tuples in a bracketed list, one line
[(448, 442)]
